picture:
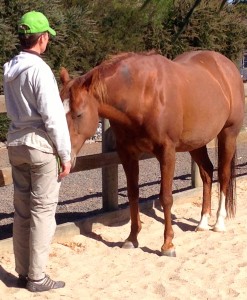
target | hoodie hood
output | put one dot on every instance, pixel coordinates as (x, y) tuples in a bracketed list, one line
[(18, 64)]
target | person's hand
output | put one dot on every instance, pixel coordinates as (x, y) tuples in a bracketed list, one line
[(65, 169)]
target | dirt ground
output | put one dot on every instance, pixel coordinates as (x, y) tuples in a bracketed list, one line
[(209, 265)]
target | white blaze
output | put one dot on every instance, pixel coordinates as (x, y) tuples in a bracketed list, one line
[(66, 106)]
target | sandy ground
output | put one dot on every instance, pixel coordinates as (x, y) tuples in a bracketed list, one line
[(208, 265)]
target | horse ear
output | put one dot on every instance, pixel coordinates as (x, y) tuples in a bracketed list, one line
[(64, 75)]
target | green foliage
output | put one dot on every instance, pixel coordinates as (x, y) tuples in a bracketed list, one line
[(4, 124), (74, 45), (120, 28), (209, 28), (89, 30), (76, 32)]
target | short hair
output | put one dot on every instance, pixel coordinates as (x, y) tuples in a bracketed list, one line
[(27, 41)]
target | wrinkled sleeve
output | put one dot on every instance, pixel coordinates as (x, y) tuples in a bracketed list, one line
[(51, 109)]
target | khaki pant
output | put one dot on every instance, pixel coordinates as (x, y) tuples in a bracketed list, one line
[(36, 191)]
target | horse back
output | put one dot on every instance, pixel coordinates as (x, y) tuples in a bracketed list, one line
[(176, 99), (223, 71)]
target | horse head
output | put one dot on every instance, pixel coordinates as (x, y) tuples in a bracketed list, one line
[(81, 110)]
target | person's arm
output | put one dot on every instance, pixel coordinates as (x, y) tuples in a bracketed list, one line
[(65, 169), (52, 111)]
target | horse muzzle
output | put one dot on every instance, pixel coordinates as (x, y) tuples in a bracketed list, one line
[(73, 161)]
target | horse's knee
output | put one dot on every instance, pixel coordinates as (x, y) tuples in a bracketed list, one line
[(166, 202)]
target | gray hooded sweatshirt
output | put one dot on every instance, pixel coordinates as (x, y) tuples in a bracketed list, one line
[(34, 106)]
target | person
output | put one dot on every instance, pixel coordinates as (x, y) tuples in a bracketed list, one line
[(38, 145)]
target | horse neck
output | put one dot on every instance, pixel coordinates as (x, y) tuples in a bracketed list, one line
[(106, 110), (110, 112)]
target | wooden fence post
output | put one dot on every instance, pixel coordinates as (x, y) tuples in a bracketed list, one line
[(196, 180), (2, 104), (109, 173), (5, 176)]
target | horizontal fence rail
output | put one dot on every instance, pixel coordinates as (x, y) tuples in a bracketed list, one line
[(100, 160)]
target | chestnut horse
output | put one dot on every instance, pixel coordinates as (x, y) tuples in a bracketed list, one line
[(161, 106)]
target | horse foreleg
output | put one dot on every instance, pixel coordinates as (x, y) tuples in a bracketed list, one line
[(131, 168), (200, 156), (167, 166), (226, 153)]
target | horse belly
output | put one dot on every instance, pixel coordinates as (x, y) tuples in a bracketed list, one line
[(191, 142), (203, 125), (199, 136)]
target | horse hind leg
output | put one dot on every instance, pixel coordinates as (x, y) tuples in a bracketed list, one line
[(226, 174), (200, 156)]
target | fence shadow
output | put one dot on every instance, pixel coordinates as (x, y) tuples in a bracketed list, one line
[(8, 279), (70, 216)]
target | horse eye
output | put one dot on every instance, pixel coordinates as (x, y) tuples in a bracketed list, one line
[(76, 115)]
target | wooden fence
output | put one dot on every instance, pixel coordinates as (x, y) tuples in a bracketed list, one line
[(108, 162), (2, 104)]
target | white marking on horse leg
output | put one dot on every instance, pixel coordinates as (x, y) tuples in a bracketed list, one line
[(221, 215), (66, 106), (203, 224)]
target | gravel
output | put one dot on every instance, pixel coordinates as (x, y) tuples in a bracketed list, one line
[(81, 192)]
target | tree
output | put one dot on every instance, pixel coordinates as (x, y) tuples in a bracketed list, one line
[(239, 2), (89, 30), (75, 27), (191, 10), (203, 24)]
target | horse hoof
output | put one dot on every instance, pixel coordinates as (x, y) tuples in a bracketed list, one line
[(202, 228), (219, 229), (130, 245), (169, 252)]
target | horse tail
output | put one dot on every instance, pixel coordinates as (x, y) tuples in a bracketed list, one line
[(231, 190)]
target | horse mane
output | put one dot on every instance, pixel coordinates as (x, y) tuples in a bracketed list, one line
[(115, 58), (94, 79)]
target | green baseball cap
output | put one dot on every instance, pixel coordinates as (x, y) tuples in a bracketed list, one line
[(34, 22)]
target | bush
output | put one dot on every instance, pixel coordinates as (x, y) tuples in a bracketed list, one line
[(4, 125)]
